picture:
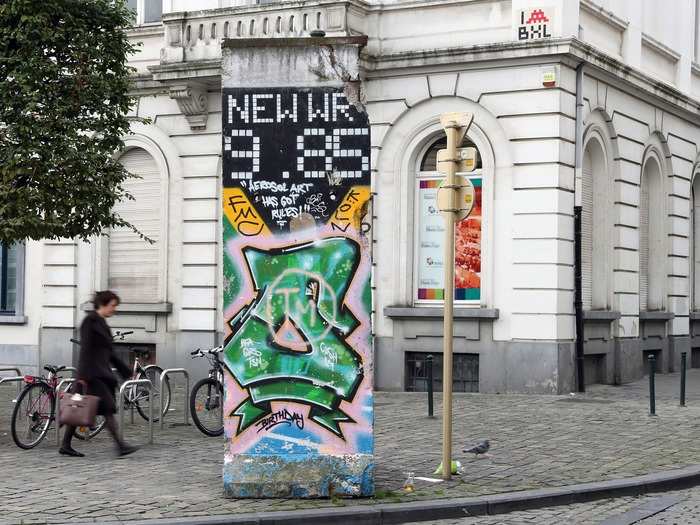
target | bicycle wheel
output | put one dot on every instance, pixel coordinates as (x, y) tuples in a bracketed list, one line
[(32, 415), (87, 433), (207, 406), (152, 373)]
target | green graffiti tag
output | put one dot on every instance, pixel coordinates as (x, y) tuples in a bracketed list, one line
[(290, 342)]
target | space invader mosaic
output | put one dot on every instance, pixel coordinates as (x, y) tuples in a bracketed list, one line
[(535, 23), (297, 297)]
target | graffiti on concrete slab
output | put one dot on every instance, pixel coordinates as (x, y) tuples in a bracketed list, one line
[(281, 417), (297, 320), (297, 294)]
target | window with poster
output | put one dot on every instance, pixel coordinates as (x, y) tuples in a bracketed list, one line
[(430, 229)]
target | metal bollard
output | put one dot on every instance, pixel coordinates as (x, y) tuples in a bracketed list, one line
[(652, 389), (120, 405), (58, 407), (163, 375), (429, 364), (683, 365), (150, 415)]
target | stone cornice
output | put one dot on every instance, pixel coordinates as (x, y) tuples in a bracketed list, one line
[(192, 70), (605, 16), (145, 30), (660, 48), (358, 5), (568, 50), (571, 50), (635, 80)]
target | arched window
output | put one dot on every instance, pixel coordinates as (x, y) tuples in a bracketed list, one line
[(695, 241), (652, 246), (595, 254), (135, 269), (429, 286)]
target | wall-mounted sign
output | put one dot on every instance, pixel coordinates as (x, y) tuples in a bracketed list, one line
[(464, 199), (466, 156), (534, 23)]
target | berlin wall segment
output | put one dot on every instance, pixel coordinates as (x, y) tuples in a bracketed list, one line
[(299, 412)]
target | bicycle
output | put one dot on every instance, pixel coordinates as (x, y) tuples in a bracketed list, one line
[(207, 396), (137, 396), (35, 408), (87, 433)]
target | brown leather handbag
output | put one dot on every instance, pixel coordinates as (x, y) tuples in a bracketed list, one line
[(78, 410)]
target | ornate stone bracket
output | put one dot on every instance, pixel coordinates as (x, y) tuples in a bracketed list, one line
[(193, 102)]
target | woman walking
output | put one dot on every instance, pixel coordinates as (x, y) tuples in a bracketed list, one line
[(95, 369)]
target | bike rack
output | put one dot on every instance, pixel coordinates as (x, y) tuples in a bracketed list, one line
[(120, 405), (131, 409), (145, 368), (70, 369), (67, 381), (18, 378), (163, 375)]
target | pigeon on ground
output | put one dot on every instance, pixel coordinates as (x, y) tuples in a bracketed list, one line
[(479, 449)]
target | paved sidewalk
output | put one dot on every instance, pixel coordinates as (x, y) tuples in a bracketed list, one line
[(537, 442), (593, 513), (682, 508)]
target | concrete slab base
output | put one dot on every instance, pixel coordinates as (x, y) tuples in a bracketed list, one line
[(274, 476)]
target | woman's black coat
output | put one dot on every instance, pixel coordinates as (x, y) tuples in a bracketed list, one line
[(96, 360)]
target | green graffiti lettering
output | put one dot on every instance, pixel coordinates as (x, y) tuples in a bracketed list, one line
[(290, 343)]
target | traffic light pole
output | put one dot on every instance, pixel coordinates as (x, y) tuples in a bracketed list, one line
[(455, 204), (451, 129)]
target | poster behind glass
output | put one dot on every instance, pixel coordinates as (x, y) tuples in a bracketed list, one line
[(430, 246)]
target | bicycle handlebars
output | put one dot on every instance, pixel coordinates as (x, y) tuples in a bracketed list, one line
[(212, 351), (117, 335)]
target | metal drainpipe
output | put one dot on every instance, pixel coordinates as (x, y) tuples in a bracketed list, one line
[(578, 291)]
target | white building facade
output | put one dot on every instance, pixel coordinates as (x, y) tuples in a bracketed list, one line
[(628, 157)]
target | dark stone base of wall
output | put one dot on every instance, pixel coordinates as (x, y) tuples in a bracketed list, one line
[(25, 357), (537, 367), (632, 356), (56, 348), (533, 367), (677, 345)]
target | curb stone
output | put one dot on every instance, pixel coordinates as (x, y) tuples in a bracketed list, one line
[(414, 511), (643, 511)]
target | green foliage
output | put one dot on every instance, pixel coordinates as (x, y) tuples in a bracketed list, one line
[(64, 83)]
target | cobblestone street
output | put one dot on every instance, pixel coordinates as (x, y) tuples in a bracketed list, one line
[(537, 442)]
